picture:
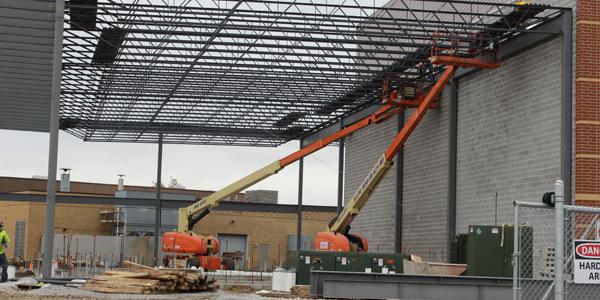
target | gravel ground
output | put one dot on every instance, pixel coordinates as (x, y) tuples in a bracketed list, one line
[(9, 291)]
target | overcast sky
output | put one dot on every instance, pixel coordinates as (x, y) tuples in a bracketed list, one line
[(24, 154)]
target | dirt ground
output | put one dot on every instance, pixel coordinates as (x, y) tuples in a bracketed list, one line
[(9, 291), (227, 295)]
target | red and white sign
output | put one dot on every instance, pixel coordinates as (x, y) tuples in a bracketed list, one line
[(586, 267), (588, 250)]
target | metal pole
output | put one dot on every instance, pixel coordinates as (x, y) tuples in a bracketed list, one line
[(157, 222), (516, 254), (399, 191), (566, 103), (53, 142), (340, 195), (299, 217), (452, 150), (93, 260), (559, 195)]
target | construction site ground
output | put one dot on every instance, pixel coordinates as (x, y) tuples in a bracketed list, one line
[(10, 291)]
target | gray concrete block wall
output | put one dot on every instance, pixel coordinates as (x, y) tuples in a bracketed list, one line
[(425, 194), (508, 135), (425, 185), (376, 221)]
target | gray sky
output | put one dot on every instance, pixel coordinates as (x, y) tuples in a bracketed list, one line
[(24, 154)]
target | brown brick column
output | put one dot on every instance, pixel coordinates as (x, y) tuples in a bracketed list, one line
[(587, 118)]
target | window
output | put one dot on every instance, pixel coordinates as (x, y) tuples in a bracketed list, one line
[(19, 239)]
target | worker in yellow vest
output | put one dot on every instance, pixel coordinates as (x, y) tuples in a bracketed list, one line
[(4, 244)]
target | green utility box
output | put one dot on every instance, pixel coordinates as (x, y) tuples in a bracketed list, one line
[(489, 250), (307, 261), (461, 248), (352, 261), (387, 262), (304, 261)]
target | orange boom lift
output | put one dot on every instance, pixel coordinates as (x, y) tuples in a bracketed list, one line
[(200, 250), (337, 237)]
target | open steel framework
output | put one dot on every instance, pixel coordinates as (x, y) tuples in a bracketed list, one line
[(254, 72)]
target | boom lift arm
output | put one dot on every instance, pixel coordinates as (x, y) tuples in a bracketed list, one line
[(337, 237), (190, 215), (341, 223)]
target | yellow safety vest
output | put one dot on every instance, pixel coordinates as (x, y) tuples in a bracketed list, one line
[(4, 239)]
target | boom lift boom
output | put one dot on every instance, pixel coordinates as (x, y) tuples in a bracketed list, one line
[(337, 237), (198, 250)]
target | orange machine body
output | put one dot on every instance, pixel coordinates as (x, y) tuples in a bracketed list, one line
[(187, 245), (333, 241), (212, 262)]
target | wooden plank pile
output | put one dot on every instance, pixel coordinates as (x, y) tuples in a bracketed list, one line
[(302, 291), (145, 280)]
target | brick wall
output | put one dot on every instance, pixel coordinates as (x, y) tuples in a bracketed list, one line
[(587, 116), (70, 219)]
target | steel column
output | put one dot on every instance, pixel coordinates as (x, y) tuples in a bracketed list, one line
[(340, 195), (157, 220), (559, 201), (452, 149), (53, 142), (516, 256), (299, 212), (567, 103), (399, 192)]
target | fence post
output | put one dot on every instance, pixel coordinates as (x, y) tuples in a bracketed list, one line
[(516, 252), (559, 189)]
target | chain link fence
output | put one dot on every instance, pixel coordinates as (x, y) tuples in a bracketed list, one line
[(544, 266), (580, 224), (534, 251)]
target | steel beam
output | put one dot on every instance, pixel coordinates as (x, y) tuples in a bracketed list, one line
[(399, 192), (53, 142), (566, 138), (158, 206), (452, 151), (513, 46), (523, 42), (299, 208), (340, 192)]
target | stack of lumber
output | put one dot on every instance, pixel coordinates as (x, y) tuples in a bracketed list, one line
[(302, 291), (145, 280)]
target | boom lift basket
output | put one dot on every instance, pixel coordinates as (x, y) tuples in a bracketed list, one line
[(473, 51)]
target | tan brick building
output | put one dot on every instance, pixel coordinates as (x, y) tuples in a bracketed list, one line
[(266, 229)]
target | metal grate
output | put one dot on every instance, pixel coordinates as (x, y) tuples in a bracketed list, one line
[(253, 72)]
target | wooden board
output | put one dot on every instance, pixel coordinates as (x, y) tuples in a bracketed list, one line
[(139, 279)]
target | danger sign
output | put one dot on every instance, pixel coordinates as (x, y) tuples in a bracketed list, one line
[(587, 261)]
